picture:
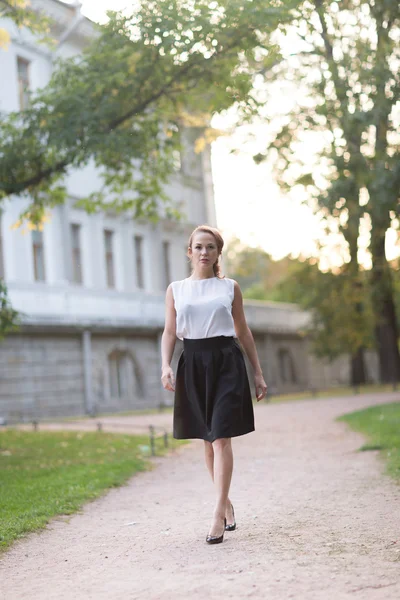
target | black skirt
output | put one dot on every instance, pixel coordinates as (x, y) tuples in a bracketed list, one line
[(212, 391)]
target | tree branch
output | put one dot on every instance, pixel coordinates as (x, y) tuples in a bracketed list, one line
[(166, 89)]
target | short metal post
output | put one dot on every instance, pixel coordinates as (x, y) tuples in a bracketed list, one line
[(152, 444), (166, 439)]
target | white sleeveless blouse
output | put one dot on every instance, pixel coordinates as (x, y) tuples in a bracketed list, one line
[(203, 307)]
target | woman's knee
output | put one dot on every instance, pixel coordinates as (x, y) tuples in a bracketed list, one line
[(208, 447), (221, 444)]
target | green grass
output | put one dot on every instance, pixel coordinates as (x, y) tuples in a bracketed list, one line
[(381, 425), (44, 474), (331, 392)]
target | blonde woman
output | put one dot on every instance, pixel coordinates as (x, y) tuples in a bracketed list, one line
[(212, 392)]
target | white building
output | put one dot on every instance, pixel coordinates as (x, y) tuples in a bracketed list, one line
[(91, 288)]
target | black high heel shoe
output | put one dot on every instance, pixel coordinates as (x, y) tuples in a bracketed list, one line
[(231, 526), (216, 539)]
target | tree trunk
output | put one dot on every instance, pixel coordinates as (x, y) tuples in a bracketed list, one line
[(351, 233), (386, 330), (357, 368)]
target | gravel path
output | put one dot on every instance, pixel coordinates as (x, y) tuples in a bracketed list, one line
[(316, 520)]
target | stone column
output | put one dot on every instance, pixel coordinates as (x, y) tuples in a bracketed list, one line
[(67, 244), (87, 371), (154, 261)]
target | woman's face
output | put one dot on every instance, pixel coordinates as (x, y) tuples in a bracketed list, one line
[(204, 251)]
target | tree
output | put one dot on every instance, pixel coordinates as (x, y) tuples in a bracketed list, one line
[(339, 303), (123, 102), (9, 318), (348, 65), (254, 269), (341, 311)]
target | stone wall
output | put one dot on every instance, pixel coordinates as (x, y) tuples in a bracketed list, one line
[(41, 375), (143, 388), (324, 373)]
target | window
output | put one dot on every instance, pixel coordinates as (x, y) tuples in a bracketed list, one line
[(108, 244), (1, 251), (76, 253), (166, 259), (286, 366), (138, 243), (23, 82), (38, 255)]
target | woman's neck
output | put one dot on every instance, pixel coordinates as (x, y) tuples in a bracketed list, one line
[(202, 275)]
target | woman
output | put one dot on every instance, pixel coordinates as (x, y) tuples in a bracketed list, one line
[(212, 393)]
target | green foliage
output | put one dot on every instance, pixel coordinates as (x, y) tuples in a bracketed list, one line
[(21, 13), (123, 103), (9, 318), (255, 271), (381, 424), (340, 303), (342, 317), (348, 66), (255, 292)]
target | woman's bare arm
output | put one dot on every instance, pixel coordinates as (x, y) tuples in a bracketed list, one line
[(247, 341), (168, 340)]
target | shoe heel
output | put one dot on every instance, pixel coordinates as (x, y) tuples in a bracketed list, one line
[(216, 539), (231, 526)]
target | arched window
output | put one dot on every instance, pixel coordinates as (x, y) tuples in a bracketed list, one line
[(286, 366), (124, 375)]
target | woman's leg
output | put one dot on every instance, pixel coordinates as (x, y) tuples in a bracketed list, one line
[(223, 466), (209, 456)]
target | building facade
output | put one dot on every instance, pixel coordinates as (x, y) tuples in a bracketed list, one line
[(91, 288)]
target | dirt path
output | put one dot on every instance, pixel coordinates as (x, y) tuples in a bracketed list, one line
[(316, 521)]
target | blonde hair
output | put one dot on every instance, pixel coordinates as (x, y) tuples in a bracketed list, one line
[(219, 241)]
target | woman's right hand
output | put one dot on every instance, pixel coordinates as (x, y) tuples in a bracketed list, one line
[(168, 379)]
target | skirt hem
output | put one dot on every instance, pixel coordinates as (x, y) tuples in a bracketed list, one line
[(210, 438)]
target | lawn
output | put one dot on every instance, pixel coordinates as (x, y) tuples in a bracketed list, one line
[(44, 474), (332, 392), (381, 425)]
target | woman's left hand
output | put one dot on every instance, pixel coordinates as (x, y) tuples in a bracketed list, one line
[(260, 386)]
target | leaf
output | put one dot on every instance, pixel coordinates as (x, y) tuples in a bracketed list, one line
[(4, 39), (306, 179)]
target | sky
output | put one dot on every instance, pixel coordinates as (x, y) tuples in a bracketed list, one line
[(249, 204)]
